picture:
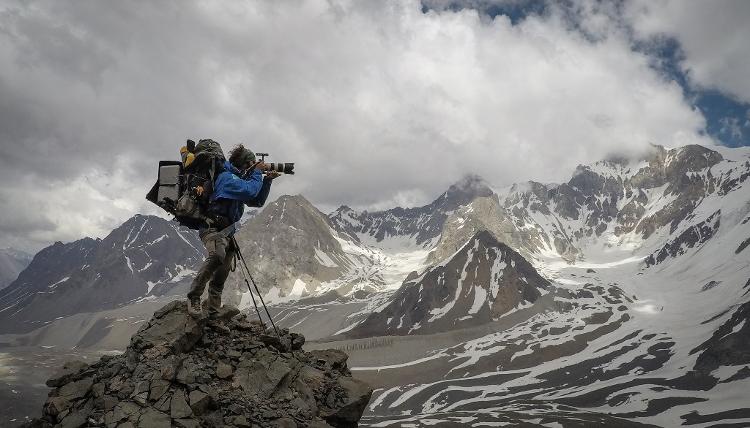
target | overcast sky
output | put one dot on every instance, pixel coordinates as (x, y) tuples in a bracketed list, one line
[(379, 103)]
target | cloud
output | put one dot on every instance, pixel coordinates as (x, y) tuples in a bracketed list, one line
[(713, 35), (731, 126), (378, 103)]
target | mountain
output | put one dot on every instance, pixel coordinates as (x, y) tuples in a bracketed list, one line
[(12, 262), (485, 214), (619, 297), (420, 225), (627, 203), (482, 281), (145, 255), (291, 249), (646, 318), (349, 253)]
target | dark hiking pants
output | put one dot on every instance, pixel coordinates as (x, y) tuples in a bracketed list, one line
[(215, 268)]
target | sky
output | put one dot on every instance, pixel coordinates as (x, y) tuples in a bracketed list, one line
[(379, 103)]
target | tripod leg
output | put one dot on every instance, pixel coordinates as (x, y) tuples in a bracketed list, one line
[(265, 307), (255, 303), (249, 288), (257, 290)]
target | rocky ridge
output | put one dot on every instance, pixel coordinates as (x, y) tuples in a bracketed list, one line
[(422, 224), (179, 372), (145, 255), (626, 198)]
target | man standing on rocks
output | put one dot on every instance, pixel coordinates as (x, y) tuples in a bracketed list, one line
[(242, 182)]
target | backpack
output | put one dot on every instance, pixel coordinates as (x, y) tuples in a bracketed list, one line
[(174, 190)]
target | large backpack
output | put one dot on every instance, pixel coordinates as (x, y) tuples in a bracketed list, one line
[(174, 190)]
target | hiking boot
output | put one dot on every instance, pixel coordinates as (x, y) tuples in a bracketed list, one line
[(194, 307), (218, 325)]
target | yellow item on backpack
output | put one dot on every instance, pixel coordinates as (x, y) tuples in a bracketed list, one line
[(187, 157)]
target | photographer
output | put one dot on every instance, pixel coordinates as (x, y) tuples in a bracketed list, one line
[(241, 183)]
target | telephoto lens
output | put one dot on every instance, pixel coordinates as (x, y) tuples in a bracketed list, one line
[(281, 167)]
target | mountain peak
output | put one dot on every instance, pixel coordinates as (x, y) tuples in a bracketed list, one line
[(290, 208), (463, 191), (481, 281), (470, 183)]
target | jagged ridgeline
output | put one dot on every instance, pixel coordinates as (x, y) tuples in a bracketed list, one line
[(178, 372), (621, 293)]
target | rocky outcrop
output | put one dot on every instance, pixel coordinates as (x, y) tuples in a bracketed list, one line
[(729, 345), (179, 372), (692, 237)]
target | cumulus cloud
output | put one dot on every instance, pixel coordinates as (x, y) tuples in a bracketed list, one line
[(378, 103), (713, 35)]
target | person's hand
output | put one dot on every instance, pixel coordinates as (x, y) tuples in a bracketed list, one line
[(199, 190), (273, 174)]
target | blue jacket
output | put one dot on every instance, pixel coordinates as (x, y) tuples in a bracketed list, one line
[(232, 192)]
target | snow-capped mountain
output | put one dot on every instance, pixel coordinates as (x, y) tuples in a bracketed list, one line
[(144, 255), (482, 281), (12, 262), (485, 214), (621, 296), (647, 317), (634, 204), (291, 248), (421, 225)]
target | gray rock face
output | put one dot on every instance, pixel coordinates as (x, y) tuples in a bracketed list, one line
[(729, 345), (484, 213), (282, 242), (179, 372), (690, 238)]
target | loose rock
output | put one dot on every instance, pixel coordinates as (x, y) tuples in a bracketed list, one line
[(178, 372)]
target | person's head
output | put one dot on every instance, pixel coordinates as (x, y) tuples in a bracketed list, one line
[(190, 146), (241, 157)]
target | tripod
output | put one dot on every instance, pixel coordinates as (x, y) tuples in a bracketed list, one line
[(246, 274)]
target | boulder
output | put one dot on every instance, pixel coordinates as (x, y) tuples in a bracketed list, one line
[(68, 371), (179, 407), (200, 402), (170, 329), (224, 371), (152, 418), (354, 397)]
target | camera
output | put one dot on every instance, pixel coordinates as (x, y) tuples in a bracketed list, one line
[(283, 168), (280, 167)]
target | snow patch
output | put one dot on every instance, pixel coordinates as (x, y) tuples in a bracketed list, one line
[(58, 282)]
